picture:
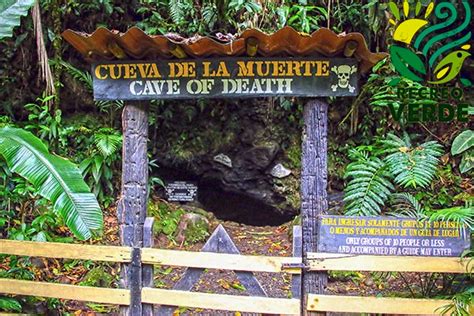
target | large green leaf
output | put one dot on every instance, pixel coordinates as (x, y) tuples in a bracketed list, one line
[(10, 13), (467, 161), (55, 178), (462, 142)]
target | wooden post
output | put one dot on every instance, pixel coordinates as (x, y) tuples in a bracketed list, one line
[(313, 190), (297, 250), (132, 206), (147, 269)]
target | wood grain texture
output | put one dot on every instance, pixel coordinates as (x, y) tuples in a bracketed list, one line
[(342, 262), (148, 269), (313, 188), (376, 305), (65, 251), (65, 291), (221, 301), (221, 261), (297, 252), (132, 205)]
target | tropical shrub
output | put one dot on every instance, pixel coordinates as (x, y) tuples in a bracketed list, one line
[(374, 172), (54, 178), (464, 144), (11, 12)]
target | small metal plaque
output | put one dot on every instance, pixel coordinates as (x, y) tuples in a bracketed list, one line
[(181, 191)]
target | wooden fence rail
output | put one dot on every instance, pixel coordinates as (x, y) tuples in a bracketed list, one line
[(65, 251), (376, 305), (211, 260), (251, 304), (342, 262), (65, 291), (207, 260)]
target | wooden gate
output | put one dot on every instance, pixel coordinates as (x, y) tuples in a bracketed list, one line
[(245, 264), (137, 255)]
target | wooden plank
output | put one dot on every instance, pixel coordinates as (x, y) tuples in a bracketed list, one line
[(221, 301), (297, 251), (314, 180), (65, 251), (207, 260), (376, 305), (342, 262), (148, 269), (65, 291)]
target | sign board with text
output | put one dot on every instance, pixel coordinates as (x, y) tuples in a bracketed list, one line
[(181, 191), (225, 78), (391, 236)]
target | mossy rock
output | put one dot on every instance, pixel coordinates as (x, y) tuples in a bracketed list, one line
[(98, 277), (192, 228)]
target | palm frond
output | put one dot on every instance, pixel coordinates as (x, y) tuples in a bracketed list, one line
[(78, 74), (369, 187), (411, 166), (107, 143), (464, 216), (405, 204), (55, 178)]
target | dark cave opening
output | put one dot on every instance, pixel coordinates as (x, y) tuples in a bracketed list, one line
[(237, 207), (228, 205)]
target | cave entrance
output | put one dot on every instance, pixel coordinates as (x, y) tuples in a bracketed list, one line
[(139, 67), (227, 205), (237, 207)]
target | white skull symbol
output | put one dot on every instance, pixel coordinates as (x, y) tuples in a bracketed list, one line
[(343, 73)]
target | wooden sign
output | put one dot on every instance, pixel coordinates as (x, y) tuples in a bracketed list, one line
[(225, 78), (181, 191), (391, 236)]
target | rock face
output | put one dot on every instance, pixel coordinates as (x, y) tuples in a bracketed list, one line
[(249, 150)]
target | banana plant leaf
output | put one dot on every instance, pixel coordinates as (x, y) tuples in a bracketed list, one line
[(11, 12), (55, 178)]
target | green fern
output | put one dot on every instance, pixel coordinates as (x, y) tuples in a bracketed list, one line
[(180, 10), (210, 15), (411, 166), (405, 204), (459, 214), (82, 76), (369, 188)]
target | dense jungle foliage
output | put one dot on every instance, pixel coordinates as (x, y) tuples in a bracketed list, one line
[(383, 166)]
